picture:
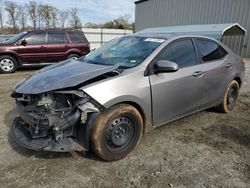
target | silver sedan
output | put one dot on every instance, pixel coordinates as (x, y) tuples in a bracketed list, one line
[(106, 100)]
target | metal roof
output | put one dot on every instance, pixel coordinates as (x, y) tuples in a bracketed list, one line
[(216, 31)]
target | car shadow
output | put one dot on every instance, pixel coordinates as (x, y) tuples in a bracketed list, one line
[(213, 110), (30, 68), (8, 121)]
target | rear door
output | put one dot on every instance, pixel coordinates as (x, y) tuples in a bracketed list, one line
[(217, 69), (79, 42), (57, 46), (34, 51), (178, 93)]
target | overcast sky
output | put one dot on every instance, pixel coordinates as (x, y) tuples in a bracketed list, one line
[(97, 11)]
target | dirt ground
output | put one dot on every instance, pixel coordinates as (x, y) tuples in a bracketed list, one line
[(208, 149)]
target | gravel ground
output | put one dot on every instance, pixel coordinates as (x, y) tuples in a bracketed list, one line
[(207, 149)]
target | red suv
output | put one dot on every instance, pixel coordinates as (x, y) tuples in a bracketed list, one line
[(42, 46)]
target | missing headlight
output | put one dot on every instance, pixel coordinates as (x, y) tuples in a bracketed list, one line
[(55, 113)]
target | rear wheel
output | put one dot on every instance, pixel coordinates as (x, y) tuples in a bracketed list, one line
[(116, 132), (8, 64), (230, 97), (73, 56)]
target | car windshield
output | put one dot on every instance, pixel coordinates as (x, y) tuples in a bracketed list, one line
[(125, 52), (16, 37)]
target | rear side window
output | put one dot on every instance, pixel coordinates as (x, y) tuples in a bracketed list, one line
[(37, 38), (57, 38), (77, 37), (210, 50), (181, 52)]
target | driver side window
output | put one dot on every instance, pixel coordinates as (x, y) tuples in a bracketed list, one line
[(181, 52), (37, 38)]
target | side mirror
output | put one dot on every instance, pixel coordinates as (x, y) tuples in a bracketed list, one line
[(23, 42), (165, 66)]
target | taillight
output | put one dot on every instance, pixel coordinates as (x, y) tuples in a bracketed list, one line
[(242, 62)]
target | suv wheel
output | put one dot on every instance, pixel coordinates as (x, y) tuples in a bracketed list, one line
[(230, 97), (116, 132), (8, 64), (73, 56)]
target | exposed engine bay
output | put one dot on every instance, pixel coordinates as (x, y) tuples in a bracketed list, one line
[(53, 119), (54, 114)]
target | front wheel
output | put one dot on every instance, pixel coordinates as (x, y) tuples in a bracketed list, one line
[(230, 97), (8, 64), (116, 132)]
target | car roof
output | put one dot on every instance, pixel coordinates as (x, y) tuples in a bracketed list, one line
[(67, 30), (169, 36)]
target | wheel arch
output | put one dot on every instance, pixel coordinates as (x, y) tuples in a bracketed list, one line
[(74, 51), (238, 79), (140, 110), (13, 55)]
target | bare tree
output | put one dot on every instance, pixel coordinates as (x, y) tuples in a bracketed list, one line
[(75, 21), (22, 18), (48, 14), (12, 9), (32, 11), (45, 15), (54, 13), (1, 14), (62, 18), (39, 16), (122, 22)]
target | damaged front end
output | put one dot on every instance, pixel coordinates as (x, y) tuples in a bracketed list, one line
[(55, 121)]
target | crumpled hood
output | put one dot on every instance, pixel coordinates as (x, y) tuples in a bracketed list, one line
[(68, 73)]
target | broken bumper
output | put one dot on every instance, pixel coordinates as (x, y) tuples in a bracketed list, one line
[(21, 134), (58, 121), (81, 142)]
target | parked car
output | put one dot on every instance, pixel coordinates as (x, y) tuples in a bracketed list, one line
[(106, 100), (41, 46)]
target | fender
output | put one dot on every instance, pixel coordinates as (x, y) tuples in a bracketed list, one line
[(11, 53), (75, 51), (139, 104)]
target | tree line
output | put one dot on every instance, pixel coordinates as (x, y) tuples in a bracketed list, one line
[(38, 15), (33, 15), (122, 22)]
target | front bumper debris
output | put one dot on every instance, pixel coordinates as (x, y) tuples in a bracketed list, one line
[(59, 121), (21, 135)]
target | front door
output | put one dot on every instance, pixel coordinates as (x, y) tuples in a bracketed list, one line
[(35, 50), (179, 93)]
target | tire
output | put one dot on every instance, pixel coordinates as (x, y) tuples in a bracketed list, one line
[(73, 56), (8, 64), (116, 132), (230, 97)]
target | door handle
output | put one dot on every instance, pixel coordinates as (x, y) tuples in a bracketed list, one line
[(42, 47), (229, 65), (198, 74)]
